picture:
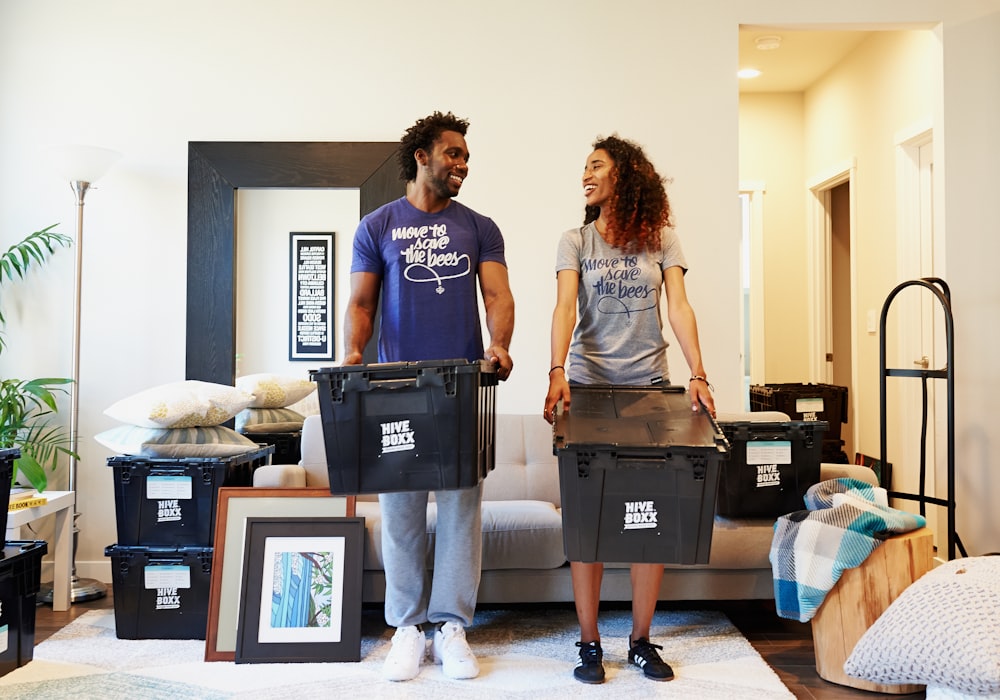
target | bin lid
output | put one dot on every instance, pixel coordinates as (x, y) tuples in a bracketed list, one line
[(636, 417)]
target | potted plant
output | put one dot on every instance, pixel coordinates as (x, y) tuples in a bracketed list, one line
[(27, 406)]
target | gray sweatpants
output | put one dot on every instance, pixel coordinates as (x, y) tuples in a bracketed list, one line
[(414, 595)]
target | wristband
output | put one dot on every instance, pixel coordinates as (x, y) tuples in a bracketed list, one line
[(557, 367)]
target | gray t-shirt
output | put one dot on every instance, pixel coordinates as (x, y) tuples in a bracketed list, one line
[(619, 333)]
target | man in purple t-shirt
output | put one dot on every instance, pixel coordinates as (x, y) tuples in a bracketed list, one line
[(425, 255)]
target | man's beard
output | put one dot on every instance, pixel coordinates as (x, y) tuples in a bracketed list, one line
[(440, 186)]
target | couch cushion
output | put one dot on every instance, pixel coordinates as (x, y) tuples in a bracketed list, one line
[(526, 468), (516, 534)]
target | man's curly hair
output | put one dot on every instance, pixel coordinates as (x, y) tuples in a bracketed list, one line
[(423, 134), (639, 205)]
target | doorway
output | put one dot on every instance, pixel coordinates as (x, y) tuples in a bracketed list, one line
[(833, 336)]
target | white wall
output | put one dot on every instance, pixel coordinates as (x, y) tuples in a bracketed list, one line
[(538, 80)]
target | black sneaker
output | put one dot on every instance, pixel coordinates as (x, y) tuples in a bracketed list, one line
[(642, 653), (589, 668)]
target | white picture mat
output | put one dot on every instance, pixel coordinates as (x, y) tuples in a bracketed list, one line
[(276, 545)]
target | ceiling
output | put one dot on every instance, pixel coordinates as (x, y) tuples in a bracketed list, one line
[(803, 57)]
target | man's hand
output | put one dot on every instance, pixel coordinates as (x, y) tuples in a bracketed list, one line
[(501, 359), (352, 358)]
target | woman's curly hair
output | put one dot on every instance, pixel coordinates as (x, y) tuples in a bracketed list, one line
[(639, 206), (422, 135)]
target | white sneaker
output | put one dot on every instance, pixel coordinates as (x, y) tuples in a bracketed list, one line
[(453, 652), (409, 646)]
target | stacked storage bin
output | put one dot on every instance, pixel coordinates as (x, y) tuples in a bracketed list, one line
[(7, 457), (808, 402), (162, 562), (20, 573)]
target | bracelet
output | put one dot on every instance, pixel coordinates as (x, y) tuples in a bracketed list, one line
[(557, 367), (699, 378)]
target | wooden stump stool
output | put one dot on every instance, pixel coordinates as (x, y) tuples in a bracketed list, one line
[(860, 596)]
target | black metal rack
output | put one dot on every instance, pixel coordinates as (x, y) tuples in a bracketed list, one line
[(940, 290)]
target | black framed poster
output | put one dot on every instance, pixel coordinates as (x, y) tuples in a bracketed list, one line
[(301, 600), (312, 304)]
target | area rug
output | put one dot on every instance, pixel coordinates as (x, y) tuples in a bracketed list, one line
[(522, 654)]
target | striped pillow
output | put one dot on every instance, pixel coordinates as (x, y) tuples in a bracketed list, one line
[(201, 441), (268, 420)]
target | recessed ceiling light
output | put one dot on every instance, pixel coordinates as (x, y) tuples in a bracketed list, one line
[(747, 73), (768, 43)]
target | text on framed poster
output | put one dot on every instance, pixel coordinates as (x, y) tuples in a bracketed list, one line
[(312, 303)]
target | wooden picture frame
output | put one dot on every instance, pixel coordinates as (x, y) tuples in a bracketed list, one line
[(233, 507), (301, 599)]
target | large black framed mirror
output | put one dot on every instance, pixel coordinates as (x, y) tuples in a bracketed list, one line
[(216, 170)]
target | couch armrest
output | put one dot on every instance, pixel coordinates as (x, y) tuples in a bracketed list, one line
[(830, 470), (279, 476)]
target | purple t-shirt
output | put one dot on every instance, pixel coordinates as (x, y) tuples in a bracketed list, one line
[(428, 264)]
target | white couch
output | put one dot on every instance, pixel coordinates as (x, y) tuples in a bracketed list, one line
[(523, 559)]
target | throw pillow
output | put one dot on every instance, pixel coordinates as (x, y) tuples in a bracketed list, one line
[(268, 420), (185, 404), (943, 630), (201, 441), (274, 391)]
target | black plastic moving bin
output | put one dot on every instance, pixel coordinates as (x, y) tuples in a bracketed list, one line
[(638, 473), (287, 446), (771, 466), (408, 426), (809, 402), (7, 457), (20, 576), (171, 501), (160, 592)]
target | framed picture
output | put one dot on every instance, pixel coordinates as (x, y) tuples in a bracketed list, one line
[(312, 304), (301, 598), (234, 506)]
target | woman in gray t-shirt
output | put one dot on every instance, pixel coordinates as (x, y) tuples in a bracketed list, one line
[(611, 271)]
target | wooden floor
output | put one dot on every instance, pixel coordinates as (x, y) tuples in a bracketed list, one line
[(784, 644)]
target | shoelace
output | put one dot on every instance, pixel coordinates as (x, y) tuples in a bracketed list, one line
[(645, 651), (589, 652)]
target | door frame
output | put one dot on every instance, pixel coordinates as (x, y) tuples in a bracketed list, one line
[(919, 330), (820, 288), (754, 189)]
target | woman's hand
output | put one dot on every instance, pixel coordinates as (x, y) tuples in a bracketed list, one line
[(558, 393), (701, 394)]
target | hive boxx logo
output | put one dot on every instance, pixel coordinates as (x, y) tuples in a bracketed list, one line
[(640, 515), (397, 436), (768, 475)]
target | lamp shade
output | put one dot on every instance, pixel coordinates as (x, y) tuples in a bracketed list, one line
[(77, 163)]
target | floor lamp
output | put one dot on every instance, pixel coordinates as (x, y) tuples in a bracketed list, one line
[(82, 166)]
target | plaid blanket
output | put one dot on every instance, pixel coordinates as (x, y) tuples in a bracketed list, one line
[(811, 548)]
